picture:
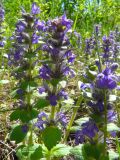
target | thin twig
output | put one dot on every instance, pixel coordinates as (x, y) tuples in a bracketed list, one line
[(7, 146)]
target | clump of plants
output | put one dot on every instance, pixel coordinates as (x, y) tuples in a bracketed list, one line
[(65, 89)]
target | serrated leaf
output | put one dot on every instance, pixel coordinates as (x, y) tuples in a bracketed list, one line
[(51, 136)]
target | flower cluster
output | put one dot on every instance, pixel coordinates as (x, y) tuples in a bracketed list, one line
[(89, 131), (59, 57), (22, 55), (2, 39), (100, 103), (44, 121)]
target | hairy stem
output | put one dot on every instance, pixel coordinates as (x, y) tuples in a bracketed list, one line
[(105, 123), (72, 120)]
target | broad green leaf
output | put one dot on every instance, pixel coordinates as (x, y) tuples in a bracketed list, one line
[(77, 152), (17, 134), (60, 150), (51, 136), (32, 152), (15, 115), (41, 103), (93, 151), (37, 154), (26, 116)]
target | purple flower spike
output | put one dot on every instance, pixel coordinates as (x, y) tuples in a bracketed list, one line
[(20, 26), (66, 22), (35, 38), (106, 80), (53, 100), (79, 137), (35, 9), (40, 25), (89, 129), (45, 72), (70, 56)]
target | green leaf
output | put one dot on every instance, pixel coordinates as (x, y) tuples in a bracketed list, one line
[(77, 152), (28, 86), (26, 116), (15, 115), (51, 136), (32, 152), (37, 154), (17, 134), (19, 153), (112, 127), (93, 151), (41, 103), (60, 150)]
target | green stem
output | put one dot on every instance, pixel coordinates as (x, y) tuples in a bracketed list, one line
[(98, 54), (48, 157), (30, 142), (53, 109), (29, 76), (72, 120), (105, 123)]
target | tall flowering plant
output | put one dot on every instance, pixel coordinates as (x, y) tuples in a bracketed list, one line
[(57, 67), (22, 60), (99, 89), (59, 59)]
